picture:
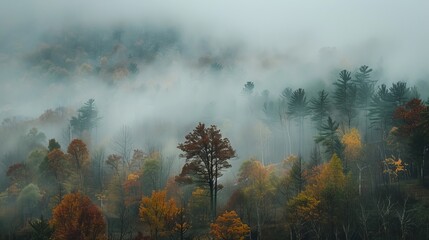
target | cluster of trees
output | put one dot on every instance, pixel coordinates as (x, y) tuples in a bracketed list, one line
[(358, 182), (116, 54)]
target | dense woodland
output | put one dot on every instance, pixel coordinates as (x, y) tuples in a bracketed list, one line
[(348, 160)]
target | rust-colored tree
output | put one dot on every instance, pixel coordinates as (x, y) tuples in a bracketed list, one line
[(207, 154), (228, 226), (79, 157), (76, 217), (159, 214), (56, 166), (411, 132)]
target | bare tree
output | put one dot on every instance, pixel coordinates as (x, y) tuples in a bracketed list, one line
[(405, 219), (123, 145)]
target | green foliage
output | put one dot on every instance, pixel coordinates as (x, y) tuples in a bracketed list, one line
[(53, 144), (329, 138), (320, 107), (29, 196), (399, 93), (41, 229), (345, 96), (364, 86), (87, 118), (298, 104)]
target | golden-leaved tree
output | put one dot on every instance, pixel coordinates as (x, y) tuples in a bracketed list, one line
[(228, 226), (258, 189), (324, 201), (158, 214)]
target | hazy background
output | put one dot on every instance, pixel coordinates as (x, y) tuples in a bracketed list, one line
[(217, 47)]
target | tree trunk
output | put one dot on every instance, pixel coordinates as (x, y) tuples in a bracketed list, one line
[(211, 199)]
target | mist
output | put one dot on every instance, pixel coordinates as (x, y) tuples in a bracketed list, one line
[(160, 68), (275, 46)]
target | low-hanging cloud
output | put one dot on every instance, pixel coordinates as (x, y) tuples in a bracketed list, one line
[(276, 45)]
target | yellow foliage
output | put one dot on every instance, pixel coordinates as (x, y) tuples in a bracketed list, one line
[(394, 166), (158, 213), (352, 143), (133, 177), (228, 226), (303, 207)]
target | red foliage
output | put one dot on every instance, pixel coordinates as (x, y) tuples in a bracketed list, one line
[(410, 116)]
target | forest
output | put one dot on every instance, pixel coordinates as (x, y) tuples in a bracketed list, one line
[(157, 126)]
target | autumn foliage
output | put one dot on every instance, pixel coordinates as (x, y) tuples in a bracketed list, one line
[(228, 226), (77, 218), (158, 213), (207, 154)]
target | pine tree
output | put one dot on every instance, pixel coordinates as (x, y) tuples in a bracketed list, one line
[(320, 108), (329, 138), (345, 96)]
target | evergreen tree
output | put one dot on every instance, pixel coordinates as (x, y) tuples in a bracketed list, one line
[(399, 93), (345, 96), (329, 138), (86, 119), (248, 88), (364, 91), (320, 108), (298, 109), (381, 111)]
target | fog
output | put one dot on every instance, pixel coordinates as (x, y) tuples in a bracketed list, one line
[(277, 45)]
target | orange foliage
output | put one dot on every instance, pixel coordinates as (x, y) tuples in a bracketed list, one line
[(158, 213), (55, 162), (228, 226), (78, 154), (76, 217)]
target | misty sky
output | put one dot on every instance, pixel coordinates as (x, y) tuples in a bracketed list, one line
[(301, 41)]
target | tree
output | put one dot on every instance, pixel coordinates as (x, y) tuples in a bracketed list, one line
[(19, 174), (123, 145), (158, 213), (79, 157), (207, 154), (329, 138), (248, 88), (258, 188), (76, 217), (381, 110), (29, 199), (56, 165), (298, 109), (399, 93), (228, 226), (364, 86), (41, 229), (329, 187), (302, 210), (320, 108), (53, 144), (352, 146), (409, 117), (283, 113), (86, 119), (345, 96), (364, 90)]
